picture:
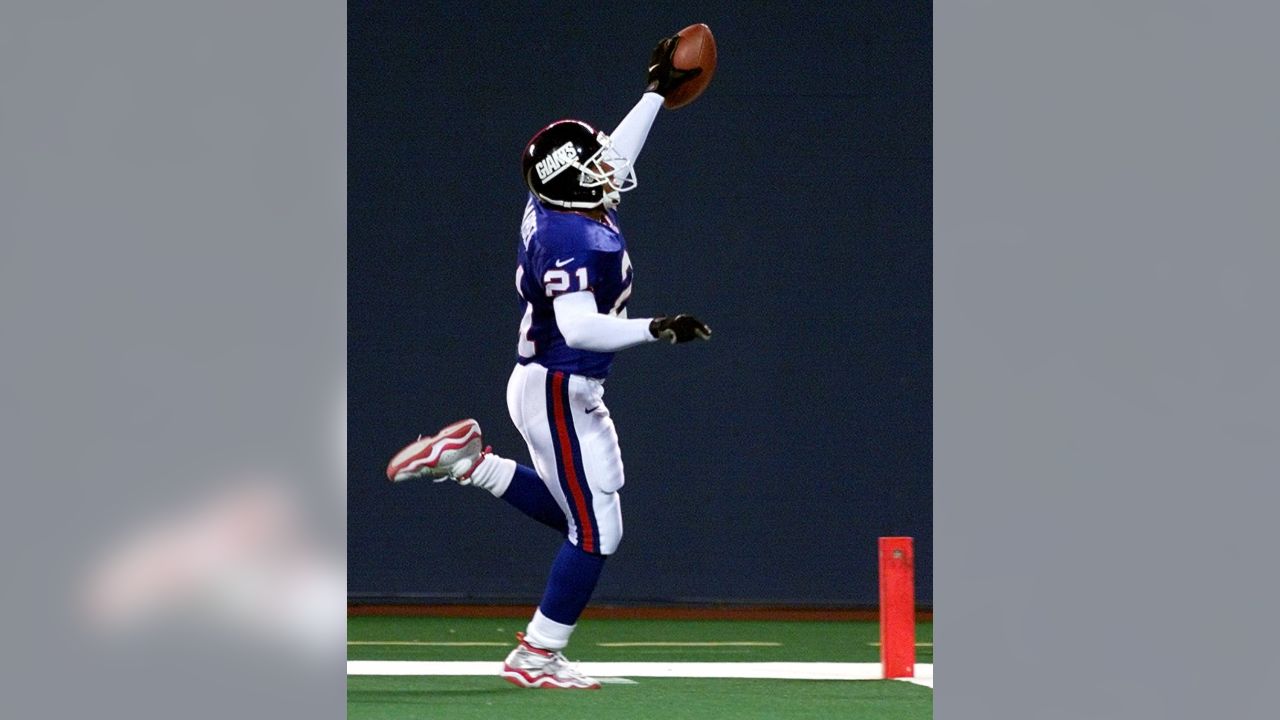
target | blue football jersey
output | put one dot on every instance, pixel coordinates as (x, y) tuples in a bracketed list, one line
[(563, 252)]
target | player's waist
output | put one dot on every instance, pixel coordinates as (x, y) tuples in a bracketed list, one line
[(587, 372)]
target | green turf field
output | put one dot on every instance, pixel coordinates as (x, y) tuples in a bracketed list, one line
[(666, 698)]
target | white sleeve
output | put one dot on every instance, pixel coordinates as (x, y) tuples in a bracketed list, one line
[(585, 328), (628, 138)]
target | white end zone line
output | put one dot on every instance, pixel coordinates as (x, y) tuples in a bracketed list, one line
[(924, 675), (420, 643), (665, 643), (758, 670)]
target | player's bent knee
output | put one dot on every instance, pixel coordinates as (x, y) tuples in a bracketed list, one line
[(609, 543), (607, 528), (605, 543)]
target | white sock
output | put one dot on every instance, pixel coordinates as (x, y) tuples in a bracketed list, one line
[(545, 633), (628, 138), (494, 474)]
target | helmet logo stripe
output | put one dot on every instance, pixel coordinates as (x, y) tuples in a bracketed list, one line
[(556, 162)]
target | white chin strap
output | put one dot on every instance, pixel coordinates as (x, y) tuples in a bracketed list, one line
[(611, 199)]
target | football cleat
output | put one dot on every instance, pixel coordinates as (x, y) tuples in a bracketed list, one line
[(532, 667), (451, 454)]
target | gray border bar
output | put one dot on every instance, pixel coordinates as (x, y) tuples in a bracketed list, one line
[(172, 332), (1106, 358)]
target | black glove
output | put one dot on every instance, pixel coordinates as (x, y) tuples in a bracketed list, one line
[(678, 329), (663, 76)]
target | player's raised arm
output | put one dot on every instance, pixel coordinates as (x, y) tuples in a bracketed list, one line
[(679, 70), (628, 138), (585, 328)]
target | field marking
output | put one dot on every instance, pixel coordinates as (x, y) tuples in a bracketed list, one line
[(737, 643), (756, 670), (924, 675), (433, 643), (422, 643)]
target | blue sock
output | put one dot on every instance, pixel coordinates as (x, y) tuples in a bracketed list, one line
[(573, 579), (529, 495)]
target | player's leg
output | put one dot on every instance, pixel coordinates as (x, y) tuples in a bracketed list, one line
[(575, 452), (589, 473), (537, 660), (455, 453), (569, 431), (522, 488), (572, 487)]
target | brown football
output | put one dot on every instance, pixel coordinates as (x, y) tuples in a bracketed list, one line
[(696, 49)]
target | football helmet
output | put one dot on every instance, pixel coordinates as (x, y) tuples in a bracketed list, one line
[(569, 164)]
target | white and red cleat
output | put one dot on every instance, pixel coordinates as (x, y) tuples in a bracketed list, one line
[(533, 667), (451, 454)]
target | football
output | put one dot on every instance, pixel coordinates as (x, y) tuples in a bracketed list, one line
[(696, 49)]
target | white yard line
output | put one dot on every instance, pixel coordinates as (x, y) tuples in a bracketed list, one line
[(760, 670), (422, 643), (924, 675), (735, 643), (426, 643)]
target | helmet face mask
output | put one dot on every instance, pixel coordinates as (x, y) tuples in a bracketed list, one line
[(571, 165)]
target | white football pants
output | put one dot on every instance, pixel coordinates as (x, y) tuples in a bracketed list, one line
[(574, 448)]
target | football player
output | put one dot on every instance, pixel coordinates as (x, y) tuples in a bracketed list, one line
[(574, 276)]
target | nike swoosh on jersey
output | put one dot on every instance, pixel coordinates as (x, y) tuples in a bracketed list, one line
[(562, 263)]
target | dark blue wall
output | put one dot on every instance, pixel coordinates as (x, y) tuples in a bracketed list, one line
[(789, 207)]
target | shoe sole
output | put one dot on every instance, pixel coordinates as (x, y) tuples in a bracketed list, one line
[(542, 682), (428, 451)]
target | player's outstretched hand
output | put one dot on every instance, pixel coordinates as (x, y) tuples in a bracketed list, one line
[(678, 329), (664, 76)]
